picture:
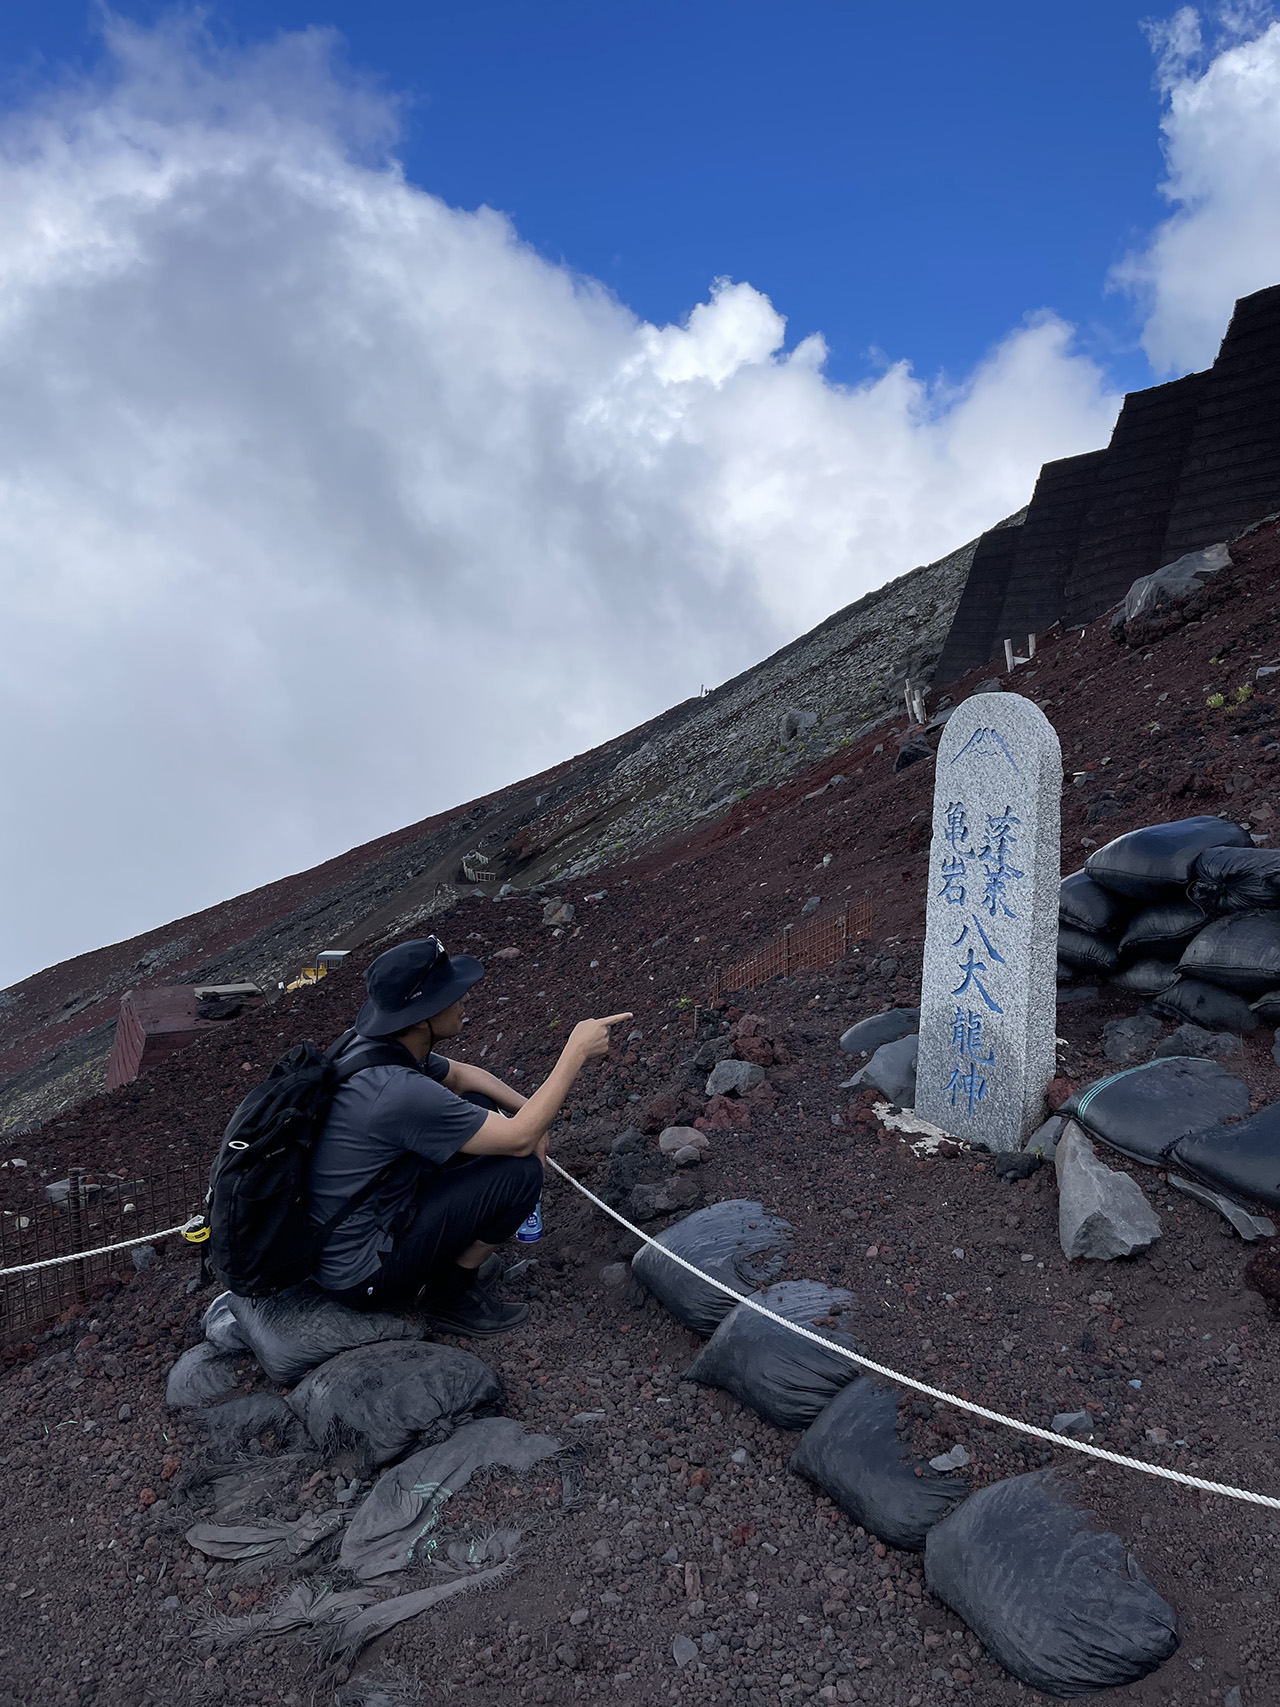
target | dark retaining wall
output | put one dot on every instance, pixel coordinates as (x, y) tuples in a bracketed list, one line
[(1189, 464)]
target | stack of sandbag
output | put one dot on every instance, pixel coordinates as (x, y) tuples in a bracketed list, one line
[(1186, 914)]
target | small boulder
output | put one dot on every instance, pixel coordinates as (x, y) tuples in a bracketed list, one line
[(1191, 1039), (1124, 1040), (1101, 1214), (750, 1025), (683, 1651), (628, 1143), (1160, 602), (558, 913), (714, 1050), (615, 1274), (59, 1193), (727, 1114), (794, 722), (507, 954), (678, 1107), (734, 1077), (911, 753), (1077, 1423), (866, 1036), (892, 1071), (677, 1138), (1016, 1164), (647, 1202), (762, 1050)]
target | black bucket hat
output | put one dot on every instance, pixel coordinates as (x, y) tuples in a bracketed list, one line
[(410, 983)]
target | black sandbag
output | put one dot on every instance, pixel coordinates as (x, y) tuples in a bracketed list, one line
[(1066, 974), (1147, 977), (1089, 907), (1236, 880), (1143, 1111), (384, 1399), (233, 1427), (1204, 1004), (1240, 951), (783, 1378), (199, 1377), (1242, 1159), (1162, 931), (735, 1242), (854, 1455), (1086, 952), (1065, 1609), (298, 1329), (1267, 1008), (1155, 864)]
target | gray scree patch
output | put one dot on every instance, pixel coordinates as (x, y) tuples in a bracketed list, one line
[(988, 1003)]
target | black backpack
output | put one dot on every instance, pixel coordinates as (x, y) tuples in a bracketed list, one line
[(261, 1239)]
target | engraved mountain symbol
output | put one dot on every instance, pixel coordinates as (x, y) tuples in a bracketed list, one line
[(986, 744)]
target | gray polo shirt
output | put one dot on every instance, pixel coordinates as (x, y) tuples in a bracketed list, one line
[(379, 1115)]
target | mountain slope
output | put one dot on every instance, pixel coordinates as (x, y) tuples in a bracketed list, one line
[(659, 780)]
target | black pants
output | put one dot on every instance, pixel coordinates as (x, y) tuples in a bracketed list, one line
[(475, 1197)]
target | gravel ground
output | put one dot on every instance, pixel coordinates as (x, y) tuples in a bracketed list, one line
[(956, 1277)]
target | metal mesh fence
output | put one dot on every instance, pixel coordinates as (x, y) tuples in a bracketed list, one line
[(81, 1213), (800, 948)]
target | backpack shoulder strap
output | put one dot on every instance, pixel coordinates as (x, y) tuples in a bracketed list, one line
[(377, 1055), (366, 1191)]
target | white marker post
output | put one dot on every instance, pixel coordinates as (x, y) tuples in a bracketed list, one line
[(988, 1002)]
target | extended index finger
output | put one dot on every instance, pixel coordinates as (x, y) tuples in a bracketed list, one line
[(616, 1019)]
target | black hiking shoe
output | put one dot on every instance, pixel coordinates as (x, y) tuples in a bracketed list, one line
[(475, 1314)]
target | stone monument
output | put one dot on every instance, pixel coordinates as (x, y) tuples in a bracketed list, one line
[(988, 1002)]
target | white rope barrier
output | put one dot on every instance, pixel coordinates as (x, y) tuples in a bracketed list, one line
[(187, 1226), (969, 1405), (1016, 1423)]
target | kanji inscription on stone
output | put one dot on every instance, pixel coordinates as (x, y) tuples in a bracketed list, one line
[(988, 1001)]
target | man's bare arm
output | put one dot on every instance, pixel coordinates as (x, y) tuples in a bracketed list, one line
[(463, 1076), (524, 1132)]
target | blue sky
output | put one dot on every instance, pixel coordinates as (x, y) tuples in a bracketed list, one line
[(906, 180), (779, 302)]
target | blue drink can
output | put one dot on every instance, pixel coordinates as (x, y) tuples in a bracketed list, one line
[(531, 1229)]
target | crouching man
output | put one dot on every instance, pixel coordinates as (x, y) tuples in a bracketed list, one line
[(425, 1164)]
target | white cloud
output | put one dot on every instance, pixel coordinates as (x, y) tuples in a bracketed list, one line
[(324, 505), (1221, 134)]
